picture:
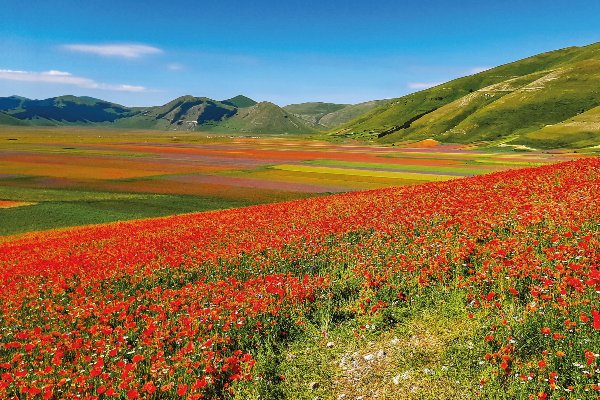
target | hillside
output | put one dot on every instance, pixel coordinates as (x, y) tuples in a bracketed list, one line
[(239, 101), (186, 112), (6, 119), (501, 105), (263, 117), (331, 115), (238, 114), (63, 110)]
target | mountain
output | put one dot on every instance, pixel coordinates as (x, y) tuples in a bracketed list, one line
[(239, 114), (8, 103), (263, 117), (236, 115), (313, 112), (541, 101), (186, 112), (6, 119), (63, 110), (330, 115), (239, 101), (550, 100)]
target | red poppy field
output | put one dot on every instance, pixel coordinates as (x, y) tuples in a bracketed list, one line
[(209, 305)]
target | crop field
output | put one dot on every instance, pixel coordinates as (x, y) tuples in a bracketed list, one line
[(485, 287), (74, 176)]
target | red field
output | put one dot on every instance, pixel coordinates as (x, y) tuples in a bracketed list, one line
[(180, 307)]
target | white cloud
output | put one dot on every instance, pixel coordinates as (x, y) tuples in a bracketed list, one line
[(65, 78), (476, 70), (175, 67), (422, 85), (115, 50)]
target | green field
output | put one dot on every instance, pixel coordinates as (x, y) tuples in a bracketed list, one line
[(64, 208)]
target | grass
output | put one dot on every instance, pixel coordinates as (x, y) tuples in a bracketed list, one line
[(463, 170), (361, 172), (262, 118), (421, 350), (65, 208)]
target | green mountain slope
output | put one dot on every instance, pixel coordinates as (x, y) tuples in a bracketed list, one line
[(349, 113), (64, 110), (330, 115), (6, 119), (261, 118), (11, 102), (240, 101), (314, 112), (495, 106), (186, 112), (581, 131)]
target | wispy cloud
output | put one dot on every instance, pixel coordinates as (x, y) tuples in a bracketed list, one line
[(422, 85), (175, 67), (476, 70), (114, 50), (65, 78)]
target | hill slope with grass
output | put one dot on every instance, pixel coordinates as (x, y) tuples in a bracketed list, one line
[(331, 115), (261, 118), (240, 101), (239, 114), (63, 110), (6, 119), (185, 112), (506, 104)]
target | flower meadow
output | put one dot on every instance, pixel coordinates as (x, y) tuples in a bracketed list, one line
[(186, 306)]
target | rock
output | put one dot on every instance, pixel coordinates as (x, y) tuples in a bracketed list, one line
[(313, 385), (369, 357), (381, 354), (330, 344), (403, 376)]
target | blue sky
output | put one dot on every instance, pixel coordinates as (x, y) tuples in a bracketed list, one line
[(141, 53)]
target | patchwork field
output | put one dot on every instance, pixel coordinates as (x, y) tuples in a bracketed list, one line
[(484, 287), (74, 176)]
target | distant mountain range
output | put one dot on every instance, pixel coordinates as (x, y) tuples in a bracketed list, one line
[(550, 100), (239, 114)]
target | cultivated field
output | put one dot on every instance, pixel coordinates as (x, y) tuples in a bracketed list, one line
[(480, 287), (75, 176)]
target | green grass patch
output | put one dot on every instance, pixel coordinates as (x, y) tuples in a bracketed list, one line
[(64, 208), (361, 172), (466, 170)]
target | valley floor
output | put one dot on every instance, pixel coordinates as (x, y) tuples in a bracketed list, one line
[(72, 176)]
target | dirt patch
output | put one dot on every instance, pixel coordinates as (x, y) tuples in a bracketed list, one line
[(13, 204), (399, 367)]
